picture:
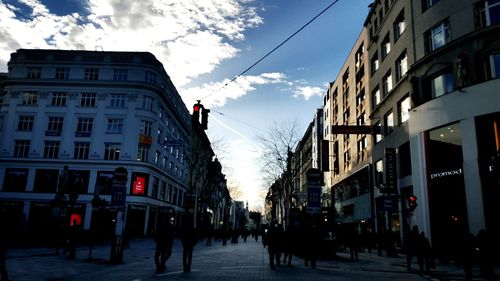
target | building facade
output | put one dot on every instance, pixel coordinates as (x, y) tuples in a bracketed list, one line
[(69, 119)]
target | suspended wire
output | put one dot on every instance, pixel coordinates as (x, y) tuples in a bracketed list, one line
[(234, 119), (275, 48)]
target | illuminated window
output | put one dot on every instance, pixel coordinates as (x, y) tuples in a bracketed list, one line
[(401, 66), (385, 47), (29, 98), (142, 152), (442, 84), (399, 25), (404, 109), (437, 36), (389, 123)]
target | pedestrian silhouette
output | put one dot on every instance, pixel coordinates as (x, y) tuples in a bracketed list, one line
[(289, 245), (465, 257), (486, 255), (74, 232), (423, 252), (5, 240), (164, 238), (272, 241), (411, 245), (189, 239)]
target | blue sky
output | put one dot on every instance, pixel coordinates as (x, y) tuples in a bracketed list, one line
[(203, 44)]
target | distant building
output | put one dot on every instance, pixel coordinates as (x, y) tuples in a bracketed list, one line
[(92, 112)]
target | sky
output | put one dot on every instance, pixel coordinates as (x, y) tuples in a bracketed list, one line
[(204, 45)]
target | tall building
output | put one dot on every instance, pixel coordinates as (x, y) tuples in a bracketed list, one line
[(69, 119), (434, 85), (346, 103), (430, 85)]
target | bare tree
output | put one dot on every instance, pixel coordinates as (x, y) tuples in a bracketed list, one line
[(275, 143)]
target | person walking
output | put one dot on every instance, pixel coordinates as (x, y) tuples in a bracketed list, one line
[(411, 246), (164, 238), (486, 255), (424, 253), (272, 241), (288, 245), (189, 239)]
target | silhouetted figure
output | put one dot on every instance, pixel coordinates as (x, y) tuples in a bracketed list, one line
[(74, 232), (465, 256), (486, 255), (313, 239), (353, 243), (423, 252), (5, 240), (164, 238), (272, 241), (411, 245), (189, 239), (289, 245)]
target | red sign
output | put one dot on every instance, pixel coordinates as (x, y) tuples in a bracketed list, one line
[(138, 186), (75, 219)]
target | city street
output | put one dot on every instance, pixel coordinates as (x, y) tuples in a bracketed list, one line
[(242, 261)]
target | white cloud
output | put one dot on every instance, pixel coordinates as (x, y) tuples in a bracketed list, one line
[(191, 37), (307, 92), (218, 93)]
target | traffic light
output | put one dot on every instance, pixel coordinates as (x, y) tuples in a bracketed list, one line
[(412, 202), (196, 112), (204, 118)]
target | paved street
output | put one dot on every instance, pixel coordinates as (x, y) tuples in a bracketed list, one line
[(242, 261)]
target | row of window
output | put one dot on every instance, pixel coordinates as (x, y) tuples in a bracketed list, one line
[(112, 151), (91, 73), (46, 181)]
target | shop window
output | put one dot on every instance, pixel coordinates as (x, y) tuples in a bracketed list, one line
[(15, 180), (404, 160), (104, 182), (139, 184), (437, 36), (154, 188), (46, 180)]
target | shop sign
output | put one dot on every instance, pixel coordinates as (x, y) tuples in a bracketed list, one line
[(391, 173), (138, 185), (446, 173)]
